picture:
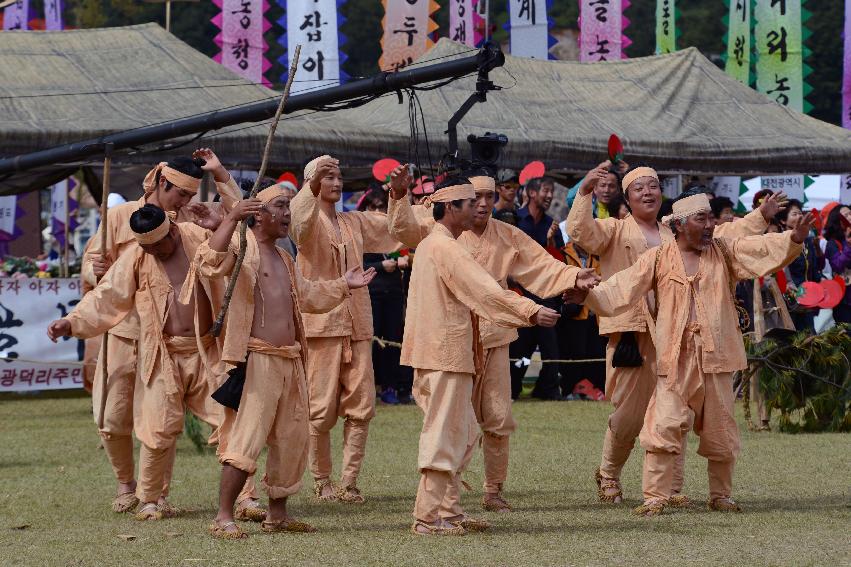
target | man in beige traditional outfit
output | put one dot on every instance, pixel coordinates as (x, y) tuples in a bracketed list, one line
[(449, 291), (339, 369), (506, 252), (264, 334), (619, 243), (173, 366), (169, 186), (698, 341)]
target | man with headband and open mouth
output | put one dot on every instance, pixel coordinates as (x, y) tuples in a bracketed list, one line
[(698, 340)]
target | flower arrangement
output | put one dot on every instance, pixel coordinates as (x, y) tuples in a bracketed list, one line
[(23, 267)]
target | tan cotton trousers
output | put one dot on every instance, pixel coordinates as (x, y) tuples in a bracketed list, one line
[(688, 396), (492, 404), (341, 384), (447, 441), (272, 412), (630, 390), (160, 408), (117, 430)]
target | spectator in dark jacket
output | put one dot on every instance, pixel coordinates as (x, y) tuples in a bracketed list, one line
[(805, 268)]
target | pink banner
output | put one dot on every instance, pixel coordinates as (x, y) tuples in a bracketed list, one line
[(465, 24), (601, 30), (53, 15), (845, 187), (407, 27), (17, 16), (243, 24)]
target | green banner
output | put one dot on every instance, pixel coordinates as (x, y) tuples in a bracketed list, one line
[(779, 35), (737, 55), (666, 26)]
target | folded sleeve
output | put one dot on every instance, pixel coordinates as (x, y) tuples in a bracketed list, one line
[(109, 302), (594, 235), (624, 290)]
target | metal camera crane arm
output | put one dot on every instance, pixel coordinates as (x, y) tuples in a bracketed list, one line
[(489, 57)]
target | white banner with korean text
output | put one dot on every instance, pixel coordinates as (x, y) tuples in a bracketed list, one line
[(29, 361)]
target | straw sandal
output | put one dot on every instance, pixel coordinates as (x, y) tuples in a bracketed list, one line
[(286, 525), (455, 530), (724, 505), (350, 495), (495, 503), (471, 524), (250, 510), (650, 508), (222, 531), (167, 510), (125, 502), (679, 501), (608, 489), (319, 485), (149, 511)]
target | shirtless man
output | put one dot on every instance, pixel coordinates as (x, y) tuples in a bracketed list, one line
[(264, 338)]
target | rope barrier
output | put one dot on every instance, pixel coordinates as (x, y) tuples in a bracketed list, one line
[(384, 343)]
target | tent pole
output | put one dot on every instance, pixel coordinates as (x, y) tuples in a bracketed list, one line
[(168, 16)]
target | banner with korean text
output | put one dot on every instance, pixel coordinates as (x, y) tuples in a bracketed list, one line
[(28, 359), (529, 28), (666, 26), (601, 30), (778, 36), (53, 15), (465, 23), (17, 15), (242, 24), (315, 25), (407, 26), (739, 40)]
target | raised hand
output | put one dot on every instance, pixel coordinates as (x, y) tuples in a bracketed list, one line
[(213, 164), (546, 317), (593, 176), (400, 181), (245, 208), (58, 329), (586, 279), (802, 231), (323, 168), (358, 277), (772, 205), (100, 265), (207, 215)]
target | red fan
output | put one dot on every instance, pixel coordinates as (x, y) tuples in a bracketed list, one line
[(615, 149), (382, 168), (288, 176), (532, 170)]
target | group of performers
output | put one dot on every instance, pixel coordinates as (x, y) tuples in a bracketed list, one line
[(294, 351)]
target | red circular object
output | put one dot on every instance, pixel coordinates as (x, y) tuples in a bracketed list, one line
[(382, 168), (811, 294), (531, 171), (833, 294)]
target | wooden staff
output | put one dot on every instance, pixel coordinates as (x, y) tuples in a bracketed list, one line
[(107, 166), (243, 228)]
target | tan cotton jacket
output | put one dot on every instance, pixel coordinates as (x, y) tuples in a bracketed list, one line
[(119, 238), (322, 256), (137, 283), (619, 243), (447, 284), (308, 296), (709, 289), (505, 251)]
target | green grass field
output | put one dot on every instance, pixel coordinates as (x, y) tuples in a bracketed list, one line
[(56, 482)]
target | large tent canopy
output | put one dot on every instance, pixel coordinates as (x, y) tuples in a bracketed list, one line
[(677, 112)]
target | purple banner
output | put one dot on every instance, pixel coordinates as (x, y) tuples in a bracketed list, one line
[(17, 16), (53, 15), (243, 24)]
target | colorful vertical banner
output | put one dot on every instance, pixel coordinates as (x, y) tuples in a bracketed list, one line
[(601, 30), (315, 25), (737, 54), (465, 23), (778, 36), (53, 15), (529, 28), (243, 49), (407, 26), (666, 26), (9, 213), (62, 208), (17, 16)]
